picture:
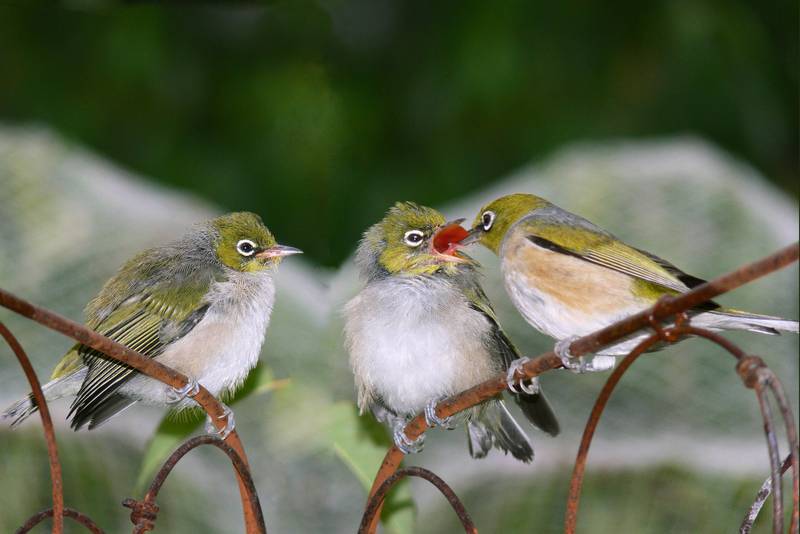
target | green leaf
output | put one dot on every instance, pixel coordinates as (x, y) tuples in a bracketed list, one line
[(361, 444), (177, 426)]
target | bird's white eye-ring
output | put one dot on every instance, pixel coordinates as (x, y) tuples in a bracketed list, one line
[(487, 220), (413, 238), (245, 247)]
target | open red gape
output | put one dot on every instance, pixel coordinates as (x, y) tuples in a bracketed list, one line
[(446, 239)]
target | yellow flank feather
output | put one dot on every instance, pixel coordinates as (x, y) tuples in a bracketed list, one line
[(68, 364)]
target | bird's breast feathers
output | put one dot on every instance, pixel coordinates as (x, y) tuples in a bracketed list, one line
[(562, 295), (223, 347), (415, 339)]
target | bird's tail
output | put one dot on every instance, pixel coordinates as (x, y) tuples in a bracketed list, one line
[(55, 389), (494, 427), (20, 410), (730, 319), (539, 412)]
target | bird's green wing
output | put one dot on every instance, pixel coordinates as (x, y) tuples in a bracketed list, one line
[(500, 346), (69, 363), (575, 236), (145, 322), (535, 407)]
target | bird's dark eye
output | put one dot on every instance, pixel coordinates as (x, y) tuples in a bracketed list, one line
[(245, 247), (413, 238), (487, 219)]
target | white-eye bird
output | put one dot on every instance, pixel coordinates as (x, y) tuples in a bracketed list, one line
[(200, 305), (569, 277), (422, 329)]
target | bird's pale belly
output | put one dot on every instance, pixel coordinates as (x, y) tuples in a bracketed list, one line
[(564, 296), (407, 371), (219, 353), (411, 349)]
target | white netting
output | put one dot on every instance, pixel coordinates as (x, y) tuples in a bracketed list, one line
[(68, 220)]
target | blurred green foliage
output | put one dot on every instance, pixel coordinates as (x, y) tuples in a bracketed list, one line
[(668, 500), (89, 488), (320, 114)]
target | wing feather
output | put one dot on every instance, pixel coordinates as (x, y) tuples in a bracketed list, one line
[(577, 237), (146, 324)]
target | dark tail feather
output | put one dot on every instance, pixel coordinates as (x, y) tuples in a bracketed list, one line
[(21, 410), (103, 412), (539, 412), (494, 426)]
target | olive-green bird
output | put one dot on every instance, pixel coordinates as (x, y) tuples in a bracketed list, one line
[(568, 277), (422, 329), (200, 305)]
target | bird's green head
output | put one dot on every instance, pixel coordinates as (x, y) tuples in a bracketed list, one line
[(495, 218), (411, 240), (243, 243)]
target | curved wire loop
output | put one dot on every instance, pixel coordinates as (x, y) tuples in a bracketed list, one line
[(670, 308), (147, 366), (754, 373), (376, 500), (144, 512), (57, 512), (761, 497), (75, 515)]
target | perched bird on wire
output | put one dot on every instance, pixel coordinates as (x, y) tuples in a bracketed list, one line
[(422, 329), (200, 305), (569, 277)]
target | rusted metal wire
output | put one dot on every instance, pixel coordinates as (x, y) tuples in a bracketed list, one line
[(754, 374), (761, 497), (47, 424), (576, 482), (148, 366), (794, 454), (78, 517), (668, 307), (143, 513), (774, 460), (375, 502), (664, 309)]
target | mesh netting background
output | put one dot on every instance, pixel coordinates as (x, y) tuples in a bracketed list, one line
[(69, 219)]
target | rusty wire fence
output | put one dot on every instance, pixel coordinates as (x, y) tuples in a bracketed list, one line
[(667, 320)]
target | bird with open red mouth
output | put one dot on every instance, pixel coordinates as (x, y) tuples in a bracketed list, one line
[(422, 329)]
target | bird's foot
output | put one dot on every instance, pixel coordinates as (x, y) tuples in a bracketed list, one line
[(434, 420), (602, 363), (576, 365), (580, 364), (531, 388), (175, 395), (401, 441), (230, 423)]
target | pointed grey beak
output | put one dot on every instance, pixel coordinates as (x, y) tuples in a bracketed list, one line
[(278, 251), (472, 236)]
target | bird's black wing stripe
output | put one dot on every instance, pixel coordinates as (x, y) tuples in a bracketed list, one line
[(689, 280), (549, 245)]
